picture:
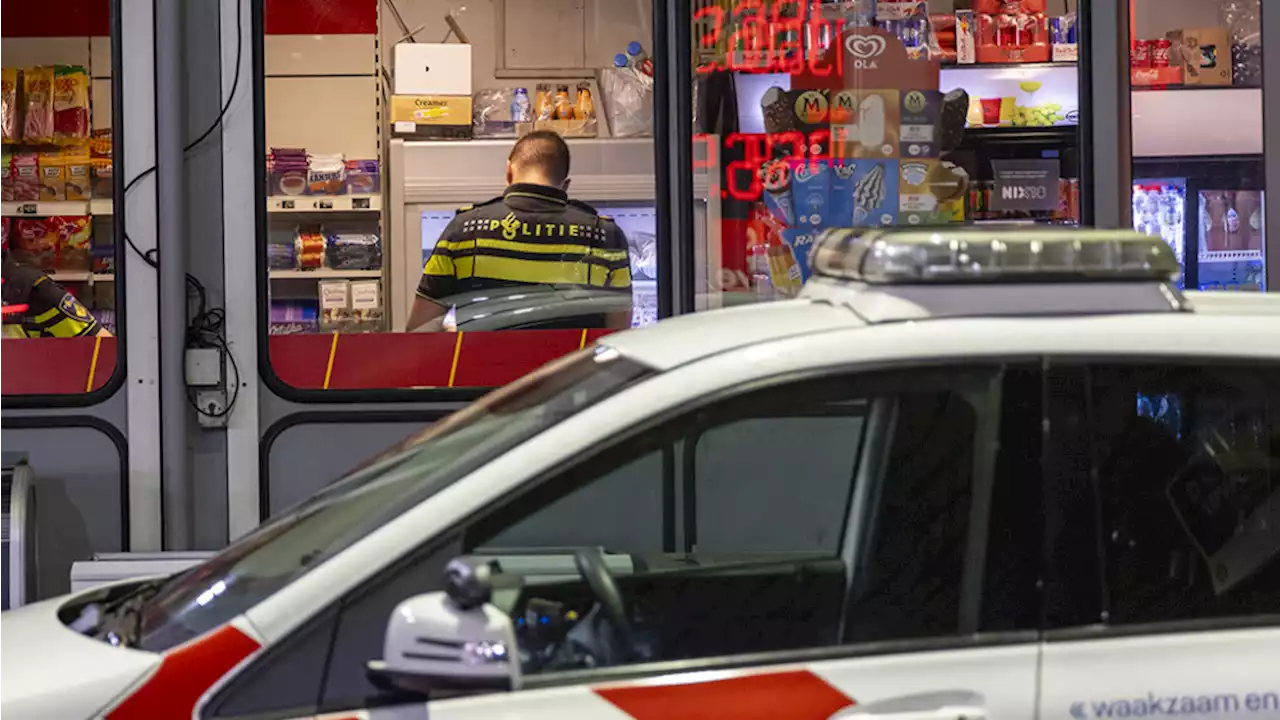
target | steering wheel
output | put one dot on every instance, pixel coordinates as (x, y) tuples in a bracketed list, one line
[(591, 565)]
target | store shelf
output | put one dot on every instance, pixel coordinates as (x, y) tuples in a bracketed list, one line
[(81, 276), (45, 209), (323, 203), (323, 274), (1007, 66), (1056, 134), (1211, 257)]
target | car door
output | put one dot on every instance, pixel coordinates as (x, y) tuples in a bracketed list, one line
[(797, 548), (1164, 586)]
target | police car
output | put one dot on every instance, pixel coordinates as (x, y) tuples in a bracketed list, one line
[(965, 475)]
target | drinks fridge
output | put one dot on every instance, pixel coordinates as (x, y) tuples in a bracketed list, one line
[(1214, 226)]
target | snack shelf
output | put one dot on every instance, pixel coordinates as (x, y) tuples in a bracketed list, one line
[(1064, 134), (81, 276), (323, 274), (1230, 256), (323, 203), (45, 208), (1007, 66)]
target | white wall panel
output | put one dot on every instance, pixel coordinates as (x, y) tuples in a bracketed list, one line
[(100, 57), (27, 52), (319, 54), (323, 115), (1228, 122)]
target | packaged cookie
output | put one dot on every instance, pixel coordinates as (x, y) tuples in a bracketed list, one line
[(26, 177), (9, 104), (6, 170), (74, 235), (53, 178), (327, 174), (37, 89), (35, 243), (77, 165), (70, 103)]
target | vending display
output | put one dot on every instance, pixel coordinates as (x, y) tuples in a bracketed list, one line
[(1222, 246), (1159, 210), (1231, 237)]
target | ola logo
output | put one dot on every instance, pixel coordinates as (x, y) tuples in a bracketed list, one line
[(915, 102), (811, 107), (843, 106)]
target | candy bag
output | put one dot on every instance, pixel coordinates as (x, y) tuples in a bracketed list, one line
[(70, 103), (9, 104), (33, 243), (37, 86), (74, 235)]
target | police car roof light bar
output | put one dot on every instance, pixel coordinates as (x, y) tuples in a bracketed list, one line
[(971, 255)]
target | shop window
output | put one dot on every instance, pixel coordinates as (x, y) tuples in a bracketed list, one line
[(60, 293), (398, 257), (813, 115), (1208, 202)]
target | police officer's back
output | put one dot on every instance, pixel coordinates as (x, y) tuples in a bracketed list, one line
[(533, 235)]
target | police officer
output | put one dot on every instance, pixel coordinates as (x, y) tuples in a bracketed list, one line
[(50, 311), (532, 235)]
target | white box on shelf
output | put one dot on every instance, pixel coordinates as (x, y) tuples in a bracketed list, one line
[(433, 69)]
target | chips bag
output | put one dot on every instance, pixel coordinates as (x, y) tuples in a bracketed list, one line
[(9, 104), (37, 86), (70, 103)]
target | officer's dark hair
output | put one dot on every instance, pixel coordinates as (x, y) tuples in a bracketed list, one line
[(545, 150)]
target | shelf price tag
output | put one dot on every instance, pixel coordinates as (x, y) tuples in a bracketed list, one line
[(287, 204), (324, 205), (360, 203), (1025, 185), (28, 209)]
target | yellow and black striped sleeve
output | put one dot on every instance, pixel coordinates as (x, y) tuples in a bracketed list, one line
[(439, 276), (54, 312), (618, 257)]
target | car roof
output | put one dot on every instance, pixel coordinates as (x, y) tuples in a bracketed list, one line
[(1116, 328)]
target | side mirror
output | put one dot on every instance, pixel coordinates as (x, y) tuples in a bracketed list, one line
[(449, 641)]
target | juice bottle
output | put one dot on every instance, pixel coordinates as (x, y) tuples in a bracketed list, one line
[(584, 108), (564, 107), (542, 104)]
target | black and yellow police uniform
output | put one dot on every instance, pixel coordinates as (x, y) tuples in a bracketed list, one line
[(51, 310), (531, 235)]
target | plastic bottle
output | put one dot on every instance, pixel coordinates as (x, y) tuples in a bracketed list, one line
[(563, 105), (639, 59), (521, 110)]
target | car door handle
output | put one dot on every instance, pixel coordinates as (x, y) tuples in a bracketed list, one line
[(942, 705)]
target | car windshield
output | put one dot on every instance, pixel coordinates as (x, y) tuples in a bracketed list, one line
[(288, 546)]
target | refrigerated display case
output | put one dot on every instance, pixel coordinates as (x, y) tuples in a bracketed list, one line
[(1211, 214), (429, 181)]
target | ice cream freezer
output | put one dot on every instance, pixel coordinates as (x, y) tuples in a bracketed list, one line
[(429, 181)]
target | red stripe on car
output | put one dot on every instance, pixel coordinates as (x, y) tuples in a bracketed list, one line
[(796, 695), (185, 673)]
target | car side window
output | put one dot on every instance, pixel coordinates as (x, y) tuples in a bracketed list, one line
[(727, 528), (1185, 523)]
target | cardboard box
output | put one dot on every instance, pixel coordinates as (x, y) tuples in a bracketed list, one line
[(433, 69), (1204, 54), (566, 128), (431, 117)]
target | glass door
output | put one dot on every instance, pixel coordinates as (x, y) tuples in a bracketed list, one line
[(1196, 72), (814, 114)]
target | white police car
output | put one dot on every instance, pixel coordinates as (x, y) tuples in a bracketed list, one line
[(968, 474)]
